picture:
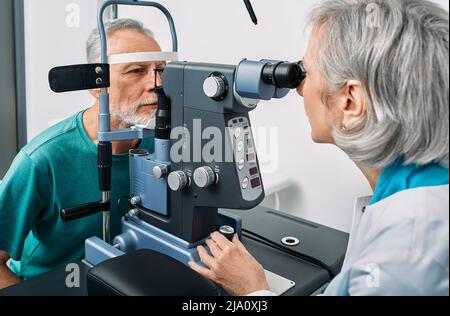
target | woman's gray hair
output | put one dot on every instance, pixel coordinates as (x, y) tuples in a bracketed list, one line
[(399, 51), (93, 45)]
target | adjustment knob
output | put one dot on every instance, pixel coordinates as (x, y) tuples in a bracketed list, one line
[(227, 232), (177, 180), (160, 171), (204, 177), (214, 87), (135, 200)]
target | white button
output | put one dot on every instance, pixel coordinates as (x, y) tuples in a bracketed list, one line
[(237, 132), (245, 183), (241, 164), (240, 146)]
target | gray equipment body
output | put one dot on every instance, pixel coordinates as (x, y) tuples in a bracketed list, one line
[(205, 158)]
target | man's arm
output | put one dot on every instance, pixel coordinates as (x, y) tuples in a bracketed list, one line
[(24, 193), (7, 277)]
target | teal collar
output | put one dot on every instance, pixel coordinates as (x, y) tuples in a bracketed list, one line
[(399, 177)]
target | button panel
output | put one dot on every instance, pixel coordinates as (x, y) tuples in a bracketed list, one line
[(240, 146), (245, 158)]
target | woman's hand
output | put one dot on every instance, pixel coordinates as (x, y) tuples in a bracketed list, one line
[(231, 266)]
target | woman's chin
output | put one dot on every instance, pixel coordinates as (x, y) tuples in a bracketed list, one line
[(315, 138), (319, 139)]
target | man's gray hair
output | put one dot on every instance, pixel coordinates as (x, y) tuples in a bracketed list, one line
[(399, 51), (93, 45)]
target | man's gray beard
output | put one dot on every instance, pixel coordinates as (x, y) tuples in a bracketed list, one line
[(129, 115)]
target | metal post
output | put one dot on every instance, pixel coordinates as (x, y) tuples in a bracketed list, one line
[(115, 12), (106, 218), (21, 102)]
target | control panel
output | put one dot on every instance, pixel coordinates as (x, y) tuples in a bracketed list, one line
[(245, 158)]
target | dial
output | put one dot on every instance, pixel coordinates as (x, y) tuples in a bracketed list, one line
[(204, 177), (177, 180), (214, 87)]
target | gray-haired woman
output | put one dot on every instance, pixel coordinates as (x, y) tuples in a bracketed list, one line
[(377, 87)]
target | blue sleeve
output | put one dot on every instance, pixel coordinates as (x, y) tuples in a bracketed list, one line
[(24, 195)]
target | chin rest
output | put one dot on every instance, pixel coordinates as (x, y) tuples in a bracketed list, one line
[(147, 273)]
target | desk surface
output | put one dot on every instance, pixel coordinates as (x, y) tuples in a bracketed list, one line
[(319, 241), (307, 277)]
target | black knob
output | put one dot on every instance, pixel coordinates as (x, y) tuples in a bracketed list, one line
[(163, 115), (85, 210), (104, 164)]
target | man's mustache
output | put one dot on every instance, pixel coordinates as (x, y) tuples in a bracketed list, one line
[(149, 101)]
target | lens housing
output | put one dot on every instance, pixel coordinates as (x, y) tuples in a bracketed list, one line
[(283, 75)]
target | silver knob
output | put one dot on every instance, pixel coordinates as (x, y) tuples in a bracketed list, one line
[(227, 232), (134, 212), (177, 180), (160, 171), (135, 200), (204, 177), (214, 87)]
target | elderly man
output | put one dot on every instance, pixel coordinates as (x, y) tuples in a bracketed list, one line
[(57, 169)]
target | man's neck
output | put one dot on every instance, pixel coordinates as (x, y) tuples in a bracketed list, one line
[(90, 123)]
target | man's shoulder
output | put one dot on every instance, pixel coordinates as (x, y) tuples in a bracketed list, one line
[(54, 137)]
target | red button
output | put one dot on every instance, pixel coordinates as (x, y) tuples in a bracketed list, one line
[(256, 182), (253, 171)]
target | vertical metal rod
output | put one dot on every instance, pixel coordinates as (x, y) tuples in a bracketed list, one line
[(115, 12), (21, 86), (104, 114), (106, 218)]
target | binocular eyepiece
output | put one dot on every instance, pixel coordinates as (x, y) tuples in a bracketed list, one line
[(283, 75)]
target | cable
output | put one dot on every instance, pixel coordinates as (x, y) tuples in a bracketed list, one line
[(251, 11), (256, 237)]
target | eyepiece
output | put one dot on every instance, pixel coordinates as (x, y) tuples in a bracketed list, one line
[(283, 75)]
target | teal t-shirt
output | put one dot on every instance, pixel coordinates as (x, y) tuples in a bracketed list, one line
[(56, 170)]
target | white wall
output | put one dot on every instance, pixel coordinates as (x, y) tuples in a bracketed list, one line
[(7, 88), (56, 32), (325, 180)]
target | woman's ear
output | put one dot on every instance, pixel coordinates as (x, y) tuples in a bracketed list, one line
[(352, 103), (95, 93)]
